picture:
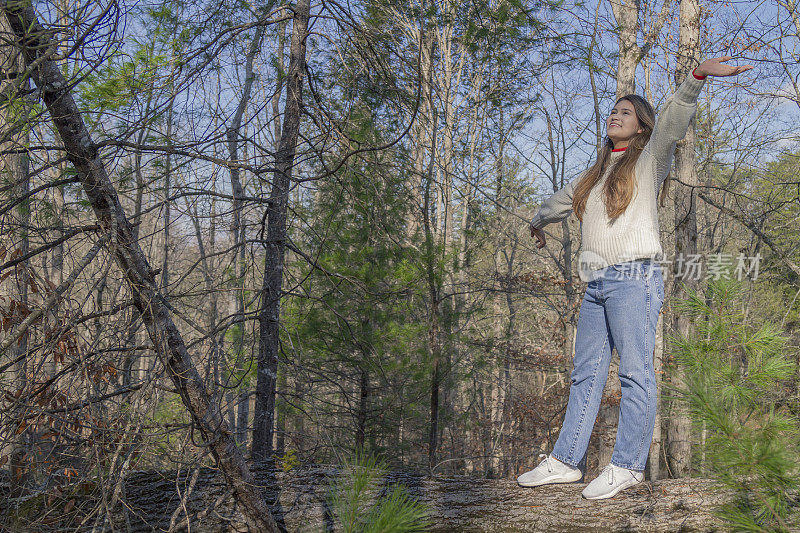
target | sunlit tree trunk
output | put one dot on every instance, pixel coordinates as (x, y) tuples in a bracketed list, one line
[(421, 132), (15, 170), (434, 291), (679, 443)]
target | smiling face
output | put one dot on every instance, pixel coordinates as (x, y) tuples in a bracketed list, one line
[(622, 124)]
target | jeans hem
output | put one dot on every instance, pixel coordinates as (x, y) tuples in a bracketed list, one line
[(628, 467), (564, 461)]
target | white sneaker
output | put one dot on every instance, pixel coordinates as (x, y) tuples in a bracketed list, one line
[(610, 481), (550, 470)]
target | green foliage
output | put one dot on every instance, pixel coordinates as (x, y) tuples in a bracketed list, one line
[(735, 377), (360, 316), (350, 499), (123, 79), (168, 410), (289, 460)]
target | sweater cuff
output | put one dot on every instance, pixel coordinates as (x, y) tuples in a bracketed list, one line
[(697, 76), (536, 221), (690, 89)]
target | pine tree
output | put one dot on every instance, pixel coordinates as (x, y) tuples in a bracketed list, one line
[(735, 386), (350, 499)]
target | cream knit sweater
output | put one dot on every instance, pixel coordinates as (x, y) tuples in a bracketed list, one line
[(633, 234)]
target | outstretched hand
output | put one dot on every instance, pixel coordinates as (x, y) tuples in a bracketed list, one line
[(539, 235), (714, 67)]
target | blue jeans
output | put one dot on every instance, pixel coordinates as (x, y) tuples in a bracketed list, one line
[(620, 309)]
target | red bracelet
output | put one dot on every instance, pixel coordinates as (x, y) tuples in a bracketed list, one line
[(697, 76)]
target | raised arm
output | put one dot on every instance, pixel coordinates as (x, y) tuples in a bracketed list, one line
[(672, 123), (678, 110)]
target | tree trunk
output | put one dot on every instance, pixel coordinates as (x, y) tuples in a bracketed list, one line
[(233, 137), (131, 357), (15, 168), (433, 341), (434, 346), (498, 383), (167, 210), (363, 407), (508, 366), (21, 462), (280, 440), (280, 414), (679, 443), (83, 154), (422, 133), (299, 419), (654, 456), (242, 418), (269, 315)]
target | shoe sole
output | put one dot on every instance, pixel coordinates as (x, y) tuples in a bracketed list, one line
[(548, 481), (610, 494)]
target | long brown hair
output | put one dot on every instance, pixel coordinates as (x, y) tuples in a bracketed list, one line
[(618, 189)]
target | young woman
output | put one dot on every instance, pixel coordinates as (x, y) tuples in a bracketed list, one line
[(616, 203)]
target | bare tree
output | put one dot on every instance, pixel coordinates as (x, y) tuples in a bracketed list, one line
[(271, 290), (34, 44)]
